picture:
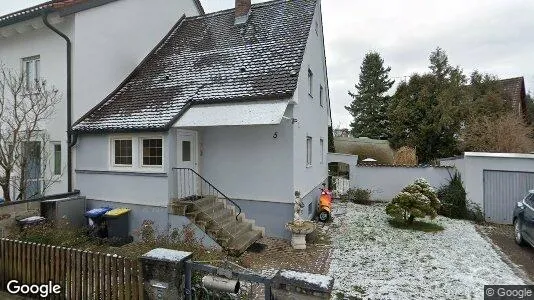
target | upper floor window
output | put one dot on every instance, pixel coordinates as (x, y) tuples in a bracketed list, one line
[(308, 151), (321, 95), (153, 152), (310, 82), (31, 70), (122, 152)]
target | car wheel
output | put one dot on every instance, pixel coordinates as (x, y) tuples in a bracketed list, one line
[(324, 216), (518, 235)]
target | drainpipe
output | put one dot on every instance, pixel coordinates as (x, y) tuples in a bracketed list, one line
[(70, 141)]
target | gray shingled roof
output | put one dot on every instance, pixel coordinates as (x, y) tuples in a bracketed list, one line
[(515, 90), (57, 6), (207, 59)]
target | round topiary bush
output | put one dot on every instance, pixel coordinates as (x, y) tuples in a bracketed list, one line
[(417, 200)]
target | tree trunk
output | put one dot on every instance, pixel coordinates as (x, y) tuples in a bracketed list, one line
[(5, 188), (410, 219)]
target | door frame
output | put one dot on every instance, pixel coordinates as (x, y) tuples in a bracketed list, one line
[(195, 153)]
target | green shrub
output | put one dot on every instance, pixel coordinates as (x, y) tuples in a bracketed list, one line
[(454, 202), (417, 200), (359, 196), (453, 199)]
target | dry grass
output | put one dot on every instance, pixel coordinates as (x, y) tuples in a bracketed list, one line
[(380, 151), (405, 156)]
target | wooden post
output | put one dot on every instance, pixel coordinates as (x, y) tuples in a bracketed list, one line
[(127, 280), (120, 278), (90, 276), (108, 277)]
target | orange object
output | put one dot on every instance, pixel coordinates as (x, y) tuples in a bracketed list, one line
[(325, 205)]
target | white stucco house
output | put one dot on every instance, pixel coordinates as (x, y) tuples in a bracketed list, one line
[(107, 39), (234, 101)]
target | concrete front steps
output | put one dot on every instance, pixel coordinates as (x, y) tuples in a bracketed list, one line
[(218, 220)]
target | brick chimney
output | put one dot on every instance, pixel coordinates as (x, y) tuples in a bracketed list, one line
[(242, 11)]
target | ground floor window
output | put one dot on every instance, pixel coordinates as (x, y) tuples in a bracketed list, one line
[(308, 151), (57, 158), (123, 152), (152, 152)]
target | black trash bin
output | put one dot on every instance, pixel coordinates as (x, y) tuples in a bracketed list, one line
[(118, 223), (97, 222)]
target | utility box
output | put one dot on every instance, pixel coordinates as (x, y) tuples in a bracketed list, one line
[(71, 209), (163, 271)]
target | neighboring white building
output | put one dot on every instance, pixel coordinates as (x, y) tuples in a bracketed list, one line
[(495, 181), (109, 39), (238, 96)]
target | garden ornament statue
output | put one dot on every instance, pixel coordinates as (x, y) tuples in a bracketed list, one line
[(297, 219), (299, 227)]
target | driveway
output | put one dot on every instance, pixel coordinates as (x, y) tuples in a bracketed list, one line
[(373, 260), (503, 237)]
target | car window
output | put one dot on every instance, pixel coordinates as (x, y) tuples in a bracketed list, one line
[(529, 200)]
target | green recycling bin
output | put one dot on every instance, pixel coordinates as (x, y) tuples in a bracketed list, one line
[(118, 221)]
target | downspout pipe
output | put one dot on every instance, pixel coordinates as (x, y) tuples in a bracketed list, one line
[(70, 141)]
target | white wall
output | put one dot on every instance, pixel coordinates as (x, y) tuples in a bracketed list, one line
[(313, 119), (386, 182), (247, 162), (52, 51), (111, 40), (98, 181), (473, 164)]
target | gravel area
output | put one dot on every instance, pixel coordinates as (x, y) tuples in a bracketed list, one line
[(372, 260)]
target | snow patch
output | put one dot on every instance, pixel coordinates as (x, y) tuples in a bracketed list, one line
[(373, 260), (321, 281), (167, 254)]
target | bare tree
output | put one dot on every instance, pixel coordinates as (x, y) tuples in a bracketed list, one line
[(25, 106), (505, 133)]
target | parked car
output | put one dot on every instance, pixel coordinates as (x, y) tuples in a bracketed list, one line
[(524, 220)]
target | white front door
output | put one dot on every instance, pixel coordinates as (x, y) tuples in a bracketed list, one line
[(187, 158)]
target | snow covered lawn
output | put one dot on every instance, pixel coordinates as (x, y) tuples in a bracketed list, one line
[(373, 260)]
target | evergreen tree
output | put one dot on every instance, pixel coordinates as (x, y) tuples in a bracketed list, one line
[(427, 111), (370, 104)]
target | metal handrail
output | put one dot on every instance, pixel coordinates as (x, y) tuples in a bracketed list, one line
[(216, 189)]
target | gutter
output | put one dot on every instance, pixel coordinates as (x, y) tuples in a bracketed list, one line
[(70, 140)]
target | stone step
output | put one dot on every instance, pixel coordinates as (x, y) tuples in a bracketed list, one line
[(211, 210), (246, 240), (205, 201)]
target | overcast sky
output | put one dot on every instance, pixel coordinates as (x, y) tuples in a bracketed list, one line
[(494, 36)]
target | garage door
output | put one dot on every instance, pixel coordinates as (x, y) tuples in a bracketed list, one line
[(502, 190)]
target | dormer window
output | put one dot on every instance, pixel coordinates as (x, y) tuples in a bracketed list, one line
[(31, 70)]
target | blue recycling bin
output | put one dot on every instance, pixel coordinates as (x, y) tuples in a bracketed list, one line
[(97, 222)]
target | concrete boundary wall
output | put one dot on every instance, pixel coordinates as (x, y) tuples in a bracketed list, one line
[(387, 181)]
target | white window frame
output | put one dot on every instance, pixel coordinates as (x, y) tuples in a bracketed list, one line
[(321, 95), (309, 151), (310, 82), (321, 144), (54, 144), (112, 151), (35, 62), (141, 163)]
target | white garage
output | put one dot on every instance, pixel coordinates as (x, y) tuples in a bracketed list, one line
[(495, 181)]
